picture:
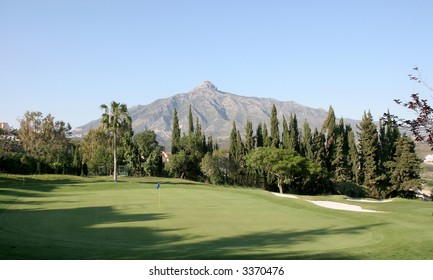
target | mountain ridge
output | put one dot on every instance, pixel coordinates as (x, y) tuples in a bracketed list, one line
[(216, 111)]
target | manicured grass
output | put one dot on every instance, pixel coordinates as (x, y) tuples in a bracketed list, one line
[(61, 217)]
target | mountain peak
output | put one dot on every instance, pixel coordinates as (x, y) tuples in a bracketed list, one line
[(206, 85)]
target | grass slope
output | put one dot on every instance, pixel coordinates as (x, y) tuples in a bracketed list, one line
[(60, 217)]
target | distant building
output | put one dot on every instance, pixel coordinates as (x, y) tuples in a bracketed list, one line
[(428, 159), (5, 126), (165, 157)]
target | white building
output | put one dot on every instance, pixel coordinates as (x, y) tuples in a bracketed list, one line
[(5, 126), (428, 159)]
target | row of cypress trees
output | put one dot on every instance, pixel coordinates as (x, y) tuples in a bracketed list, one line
[(378, 157)]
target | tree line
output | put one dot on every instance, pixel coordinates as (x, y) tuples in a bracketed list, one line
[(304, 161), (43, 145)]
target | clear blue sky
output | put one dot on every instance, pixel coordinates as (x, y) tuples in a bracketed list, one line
[(68, 57)]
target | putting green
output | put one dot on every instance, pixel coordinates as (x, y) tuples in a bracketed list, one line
[(185, 220)]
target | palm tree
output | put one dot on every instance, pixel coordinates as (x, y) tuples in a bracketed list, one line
[(115, 119)]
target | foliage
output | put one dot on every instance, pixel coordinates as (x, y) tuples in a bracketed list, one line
[(287, 166), (351, 189), (175, 133), (149, 152), (96, 151), (215, 167), (369, 154), (185, 162), (422, 125), (116, 121), (45, 140)]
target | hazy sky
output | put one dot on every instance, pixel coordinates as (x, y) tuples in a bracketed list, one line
[(68, 57)]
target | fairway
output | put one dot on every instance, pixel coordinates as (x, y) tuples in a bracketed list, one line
[(49, 217)]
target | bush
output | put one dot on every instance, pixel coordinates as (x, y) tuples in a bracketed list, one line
[(351, 189)]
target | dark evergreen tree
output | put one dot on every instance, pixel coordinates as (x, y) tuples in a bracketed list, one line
[(307, 142), (339, 160), (175, 133), (233, 152), (328, 129), (259, 136), (369, 155), (275, 131), (353, 155), (318, 148), (406, 167), (190, 122), (266, 138), (294, 144), (285, 137), (249, 139)]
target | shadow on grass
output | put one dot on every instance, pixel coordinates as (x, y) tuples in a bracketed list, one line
[(100, 233)]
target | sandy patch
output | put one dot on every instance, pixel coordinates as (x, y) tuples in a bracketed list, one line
[(341, 206), (370, 201), (285, 195), (333, 205)]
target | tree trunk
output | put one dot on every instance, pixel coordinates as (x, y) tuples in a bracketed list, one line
[(115, 157), (280, 185)]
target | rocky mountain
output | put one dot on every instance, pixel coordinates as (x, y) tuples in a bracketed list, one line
[(216, 111)]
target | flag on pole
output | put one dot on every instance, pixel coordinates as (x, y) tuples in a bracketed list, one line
[(158, 186)]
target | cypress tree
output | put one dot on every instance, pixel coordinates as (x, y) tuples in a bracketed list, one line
[(266, 138), (406, 167), (259, 135), (294, 134), (318, 148), (240, 149), (339, 160), (249, 140), (339, 164), (233, 143), (190, 122), (175, 133), (353, 156), (389, 135), (275, 131), (307, 142), (368, 149), (328, 129), (285, 137)]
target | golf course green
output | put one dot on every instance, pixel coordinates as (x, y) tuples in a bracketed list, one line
[(65, 217)]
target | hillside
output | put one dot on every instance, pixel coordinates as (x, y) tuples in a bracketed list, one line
[(216, 111)]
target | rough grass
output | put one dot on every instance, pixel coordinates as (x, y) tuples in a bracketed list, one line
[(62, 217)]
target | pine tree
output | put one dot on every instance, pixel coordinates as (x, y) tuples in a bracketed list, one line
[(339, 160), (266, 138), (233, 143), (369, 156), (285, 137), (307, 142), (249, 140), (406, 167), (339, 163), (294, 134), (318, 148), (175, 133), (275, 131), (259, 136), (353, 156), (389, 135), (190, 122), (240, 149), (328, 129)]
